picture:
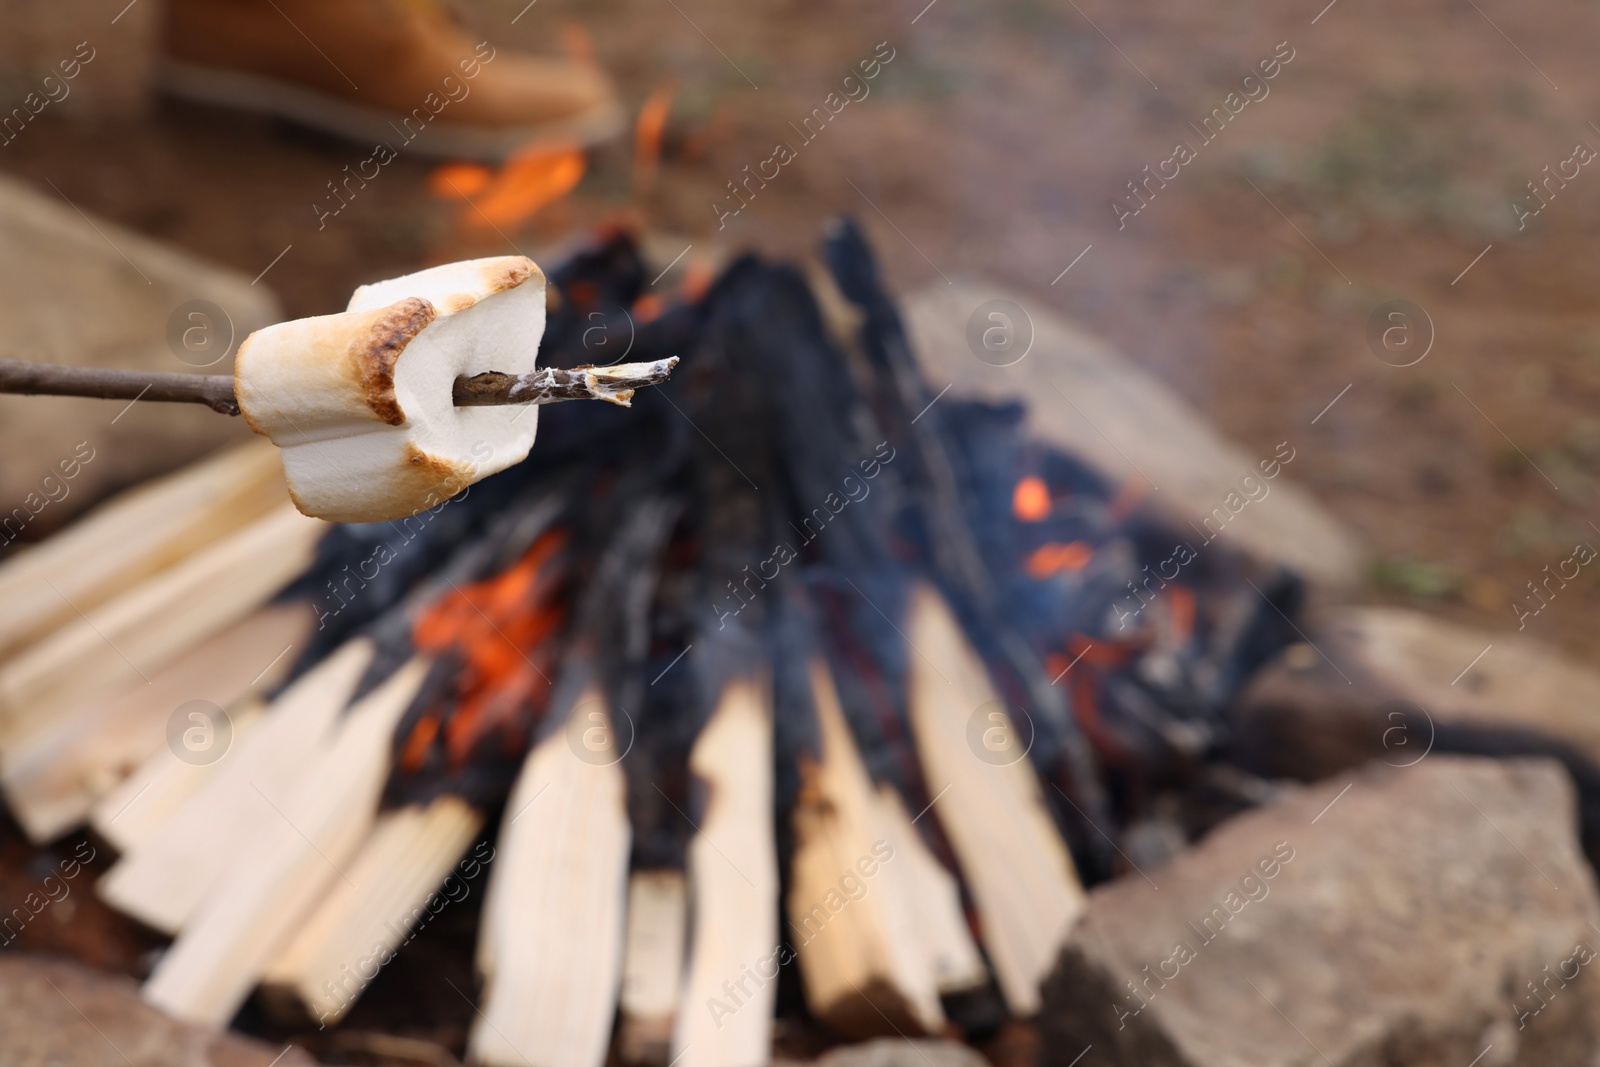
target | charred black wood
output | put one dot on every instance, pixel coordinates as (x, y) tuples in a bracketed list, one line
[(937, 480), (774, 502)]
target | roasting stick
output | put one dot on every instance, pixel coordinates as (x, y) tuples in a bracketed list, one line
[(547, 385), (399, 402)]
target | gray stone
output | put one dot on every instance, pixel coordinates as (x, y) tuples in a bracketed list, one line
[(1089, 399), (85, 291), (1392, 684), (901, 1052), (1388, 916), (57, 1014)]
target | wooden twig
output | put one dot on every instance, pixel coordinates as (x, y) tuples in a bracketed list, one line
[(551, 385), (54, 379), (548, 385)]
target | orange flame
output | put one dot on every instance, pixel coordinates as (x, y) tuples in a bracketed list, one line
[(1030, 501), (498, 627), (1181, 603), (697, 279), (648, 308), (647, 134), (530, 180), (1054, 557), (450, 180)]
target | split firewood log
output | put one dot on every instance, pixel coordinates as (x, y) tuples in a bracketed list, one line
[(133, 536), (652, 965), (252, 913), (147, 798), (62, 676), (934, 900), (731, 982), (392, 885), (111, 747), (1018, 868), (551, 940), (171, 868), (152, 623), (852, 904)]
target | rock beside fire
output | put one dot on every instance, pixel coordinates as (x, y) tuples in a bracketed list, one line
[(1392, 916), (63, 1015), (895, 1052), (1395, 685), (1094, 402), (86, 292), (1468, 678)]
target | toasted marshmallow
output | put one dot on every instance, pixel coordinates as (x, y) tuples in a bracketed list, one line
[(360, 403)]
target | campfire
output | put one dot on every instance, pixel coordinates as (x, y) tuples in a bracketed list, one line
[(798, 670)]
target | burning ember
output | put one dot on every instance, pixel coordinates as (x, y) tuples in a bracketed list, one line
[(744, 679)]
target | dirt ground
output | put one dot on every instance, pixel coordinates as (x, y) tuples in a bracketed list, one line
[(1383, 160), (1382, 164)]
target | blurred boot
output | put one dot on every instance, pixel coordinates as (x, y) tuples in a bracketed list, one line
[(383, 71)]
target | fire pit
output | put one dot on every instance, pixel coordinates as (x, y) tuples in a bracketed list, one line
[(797, 675)]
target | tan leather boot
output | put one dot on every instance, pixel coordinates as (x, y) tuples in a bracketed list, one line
[(396, 72)]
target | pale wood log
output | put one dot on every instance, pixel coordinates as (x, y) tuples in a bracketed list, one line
[(934, 902), (270, 890), (225, 670), (361, 923), (165, 876), (1012, 857), (148, 797), (652, 964), (726, 1019), (556, 912), (132, 536), (112, 747), (852, 900), (122, 641)]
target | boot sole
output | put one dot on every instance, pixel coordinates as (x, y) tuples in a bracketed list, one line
[(320, 111)]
